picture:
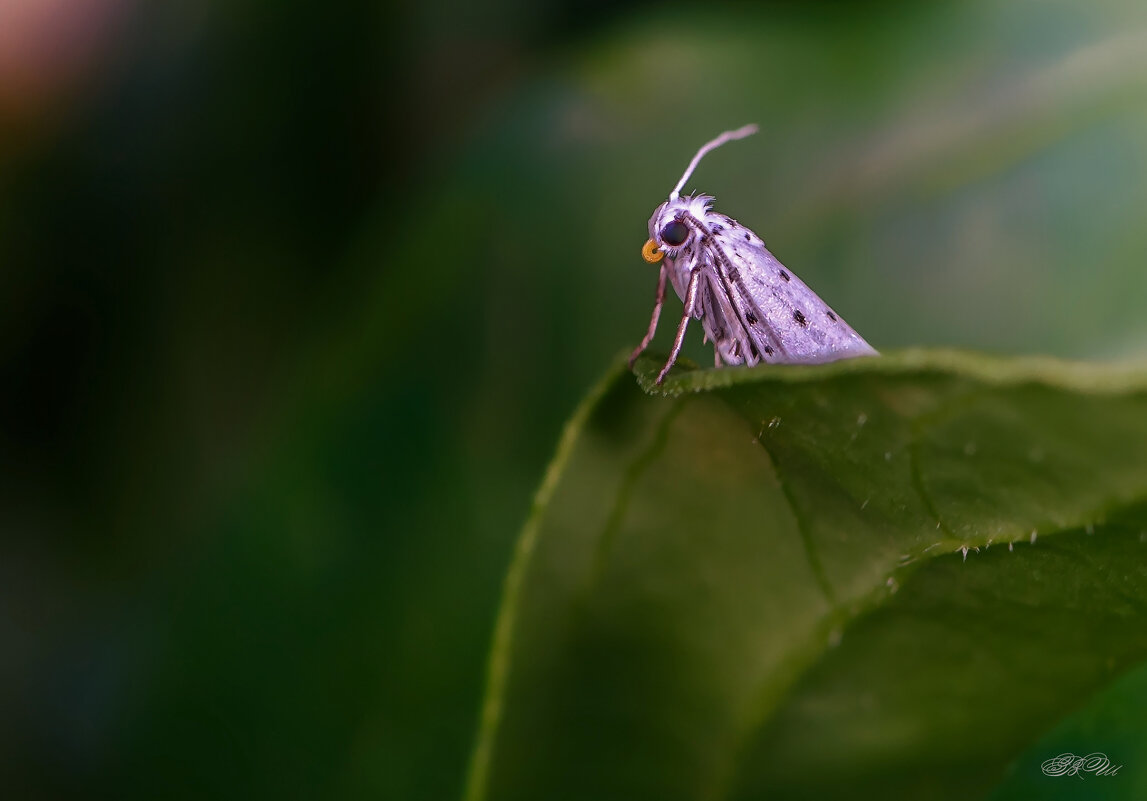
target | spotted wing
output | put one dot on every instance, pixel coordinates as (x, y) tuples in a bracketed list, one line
[(761, 311)]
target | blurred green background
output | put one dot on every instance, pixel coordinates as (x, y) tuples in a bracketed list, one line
[(295, 297)]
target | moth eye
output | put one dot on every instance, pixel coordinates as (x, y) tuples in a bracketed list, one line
[(675, 234)]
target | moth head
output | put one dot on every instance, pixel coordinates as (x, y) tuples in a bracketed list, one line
[(673, 225), (676, 220)]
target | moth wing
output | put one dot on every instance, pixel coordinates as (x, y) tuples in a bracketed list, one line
[(775, 310), (735, 343)]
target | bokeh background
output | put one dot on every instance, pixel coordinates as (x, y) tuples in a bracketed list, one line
[(295, 297)]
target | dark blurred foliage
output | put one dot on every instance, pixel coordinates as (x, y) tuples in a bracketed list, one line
[(294, 299), (181, 618)]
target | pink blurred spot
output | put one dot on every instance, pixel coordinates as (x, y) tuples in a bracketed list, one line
[(50, 47)]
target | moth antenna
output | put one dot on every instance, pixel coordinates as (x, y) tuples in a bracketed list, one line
[(728, 136)]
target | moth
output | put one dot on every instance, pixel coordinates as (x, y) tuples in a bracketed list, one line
[(751, 307)]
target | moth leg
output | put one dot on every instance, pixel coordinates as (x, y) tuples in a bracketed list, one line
[(690, 305), (716, 356), (656, 315)]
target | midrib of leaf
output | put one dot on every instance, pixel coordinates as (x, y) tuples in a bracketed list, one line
[(839, 617), (632, 475), (812, 555)]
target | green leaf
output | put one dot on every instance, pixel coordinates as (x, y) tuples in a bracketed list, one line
[(881, 578)]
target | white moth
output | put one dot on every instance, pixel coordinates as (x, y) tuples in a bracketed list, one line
[(752, 308)]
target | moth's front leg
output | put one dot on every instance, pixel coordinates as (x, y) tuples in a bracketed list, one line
[(690, 306), (656, 314)]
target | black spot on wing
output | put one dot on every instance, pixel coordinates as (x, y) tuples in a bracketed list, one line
[(748, 237), (750, 318), (799, 317), (768, 350), (832, 316), (784, 275)]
